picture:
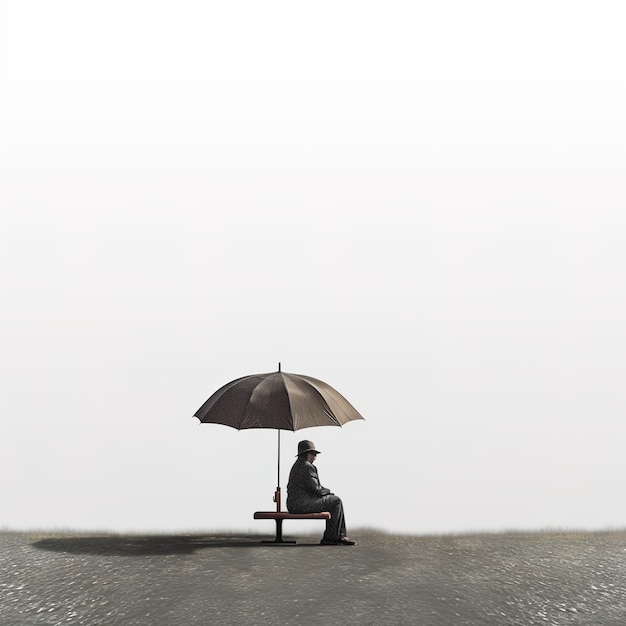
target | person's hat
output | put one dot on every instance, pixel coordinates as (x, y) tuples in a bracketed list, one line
[(306, 446)]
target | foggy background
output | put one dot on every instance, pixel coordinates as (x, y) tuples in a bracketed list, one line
[(421, 204)]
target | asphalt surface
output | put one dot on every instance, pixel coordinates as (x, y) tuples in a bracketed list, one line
[(188, 580)]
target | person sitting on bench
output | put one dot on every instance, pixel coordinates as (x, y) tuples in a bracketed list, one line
[(305, 494)]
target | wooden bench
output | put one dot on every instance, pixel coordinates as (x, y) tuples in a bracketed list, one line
[(280, 516)]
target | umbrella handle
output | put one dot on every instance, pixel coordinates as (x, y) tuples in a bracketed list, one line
[(277, 499)]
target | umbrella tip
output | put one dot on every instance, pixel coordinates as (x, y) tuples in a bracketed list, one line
[(279, 366)]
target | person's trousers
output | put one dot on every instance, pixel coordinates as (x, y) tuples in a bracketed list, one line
[(336, 525)]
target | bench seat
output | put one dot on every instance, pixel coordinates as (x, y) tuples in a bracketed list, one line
[(280, 516)]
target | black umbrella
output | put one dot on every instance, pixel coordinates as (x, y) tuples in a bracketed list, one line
[(277, 400)]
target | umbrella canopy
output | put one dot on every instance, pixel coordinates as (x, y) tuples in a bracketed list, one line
[(277, 400)]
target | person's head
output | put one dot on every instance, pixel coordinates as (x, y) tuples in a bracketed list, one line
[(307, 451)]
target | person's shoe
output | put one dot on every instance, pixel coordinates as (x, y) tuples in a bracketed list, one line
[(344, 541), (329, 542)]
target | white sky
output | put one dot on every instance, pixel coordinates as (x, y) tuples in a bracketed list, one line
[(422, 204)]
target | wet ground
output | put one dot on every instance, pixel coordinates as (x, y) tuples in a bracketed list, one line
[(188, 580)]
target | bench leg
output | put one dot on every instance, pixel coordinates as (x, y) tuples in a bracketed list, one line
[(279, 534)]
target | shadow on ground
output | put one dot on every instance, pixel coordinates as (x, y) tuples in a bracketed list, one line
[(146, 545)]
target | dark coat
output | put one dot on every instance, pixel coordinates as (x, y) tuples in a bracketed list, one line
[(304, 488), (305, 494)]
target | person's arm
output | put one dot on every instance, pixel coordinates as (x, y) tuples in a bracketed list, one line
[(313, 483)]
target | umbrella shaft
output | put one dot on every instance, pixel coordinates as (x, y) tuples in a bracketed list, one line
[(277, 493), (278, 479)]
